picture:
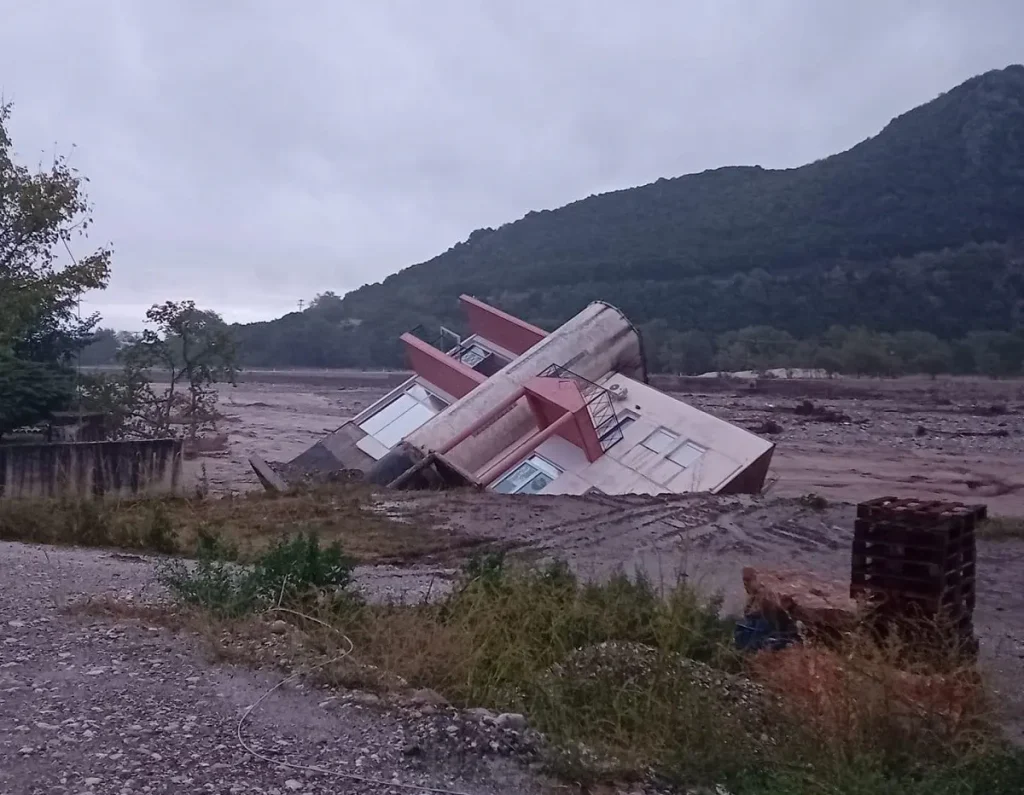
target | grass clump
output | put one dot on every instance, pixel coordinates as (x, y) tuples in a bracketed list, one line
[(627, 680), (144, 525), (291, 572), (252, 522), (1002, 528)]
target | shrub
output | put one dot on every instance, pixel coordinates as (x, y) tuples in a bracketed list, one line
[(289, 574)]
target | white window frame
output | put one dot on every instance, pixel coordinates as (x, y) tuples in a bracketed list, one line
[(540, 466), (696, 453), (426, 405), (671, 441)]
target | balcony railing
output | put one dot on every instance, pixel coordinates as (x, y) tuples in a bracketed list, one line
[(442, 339), (598, 401)]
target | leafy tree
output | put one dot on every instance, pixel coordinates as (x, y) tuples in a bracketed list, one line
[(691, 352), (193, 349), (41, 213), (29, 391), (921, 352), (102, 348)]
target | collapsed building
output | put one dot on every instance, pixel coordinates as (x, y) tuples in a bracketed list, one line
[(515, 409)]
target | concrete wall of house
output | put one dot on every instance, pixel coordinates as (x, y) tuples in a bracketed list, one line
[(629, 467), (598, 340), (83, 469)]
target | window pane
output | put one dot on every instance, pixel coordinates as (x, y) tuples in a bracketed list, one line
[(529, 477), (387, 414), (403, 425), (538, 482), (427, 398), (418, 392), (548, 469), (474, 356), (687, 454), (660, 441), (516, 479)]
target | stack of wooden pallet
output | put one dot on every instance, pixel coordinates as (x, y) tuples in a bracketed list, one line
[(914, 561)]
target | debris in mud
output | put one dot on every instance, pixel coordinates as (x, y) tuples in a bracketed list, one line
[(205, 445), (298, 476), (993, 410), (809, 409), (814, 501), (998, 433), (768, 426)]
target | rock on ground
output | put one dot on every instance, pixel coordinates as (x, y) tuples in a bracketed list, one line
[(791, 595)]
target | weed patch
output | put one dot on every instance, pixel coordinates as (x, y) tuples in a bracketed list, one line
[(251, 523), (1002, 528), (624, 679), (292, 572)]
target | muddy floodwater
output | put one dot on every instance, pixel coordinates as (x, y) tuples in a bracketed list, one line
[(950, 439), (958, 439)]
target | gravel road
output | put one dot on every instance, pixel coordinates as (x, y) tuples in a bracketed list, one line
[(91, 706)]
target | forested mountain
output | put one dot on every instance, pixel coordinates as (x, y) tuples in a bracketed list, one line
[(920, 228)]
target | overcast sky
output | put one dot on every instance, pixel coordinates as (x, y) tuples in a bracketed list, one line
[(251, 153)]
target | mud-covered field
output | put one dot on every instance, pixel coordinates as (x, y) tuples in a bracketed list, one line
[(845, 440), (949, 438)]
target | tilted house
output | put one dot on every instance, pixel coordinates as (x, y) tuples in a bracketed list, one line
[(515, 409)]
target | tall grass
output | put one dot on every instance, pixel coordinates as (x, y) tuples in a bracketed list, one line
[(627, 680), (252, 523)]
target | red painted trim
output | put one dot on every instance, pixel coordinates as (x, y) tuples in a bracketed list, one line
[(501, 328), (477, 424), (524, 449), (551, 397), (448, 374)]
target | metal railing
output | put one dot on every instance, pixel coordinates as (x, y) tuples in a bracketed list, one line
[(598, 401), (450, 344), (442, 339)]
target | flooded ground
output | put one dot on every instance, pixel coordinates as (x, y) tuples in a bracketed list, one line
[(844, 440), (950, 439)]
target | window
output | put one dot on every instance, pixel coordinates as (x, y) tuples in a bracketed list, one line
[(660, 441), (473, 355), (403, 415), (529, 477), (427, 397), (687, 454), (614, 432)]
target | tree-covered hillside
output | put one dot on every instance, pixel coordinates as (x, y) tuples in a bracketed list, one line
[(920, 228)]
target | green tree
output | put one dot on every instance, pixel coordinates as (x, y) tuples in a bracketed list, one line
[(194, 350), (102, 348), (921, 352), (866, 353), (41, 213), (690, 352)]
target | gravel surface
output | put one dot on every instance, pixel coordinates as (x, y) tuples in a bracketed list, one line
[(92, 706)]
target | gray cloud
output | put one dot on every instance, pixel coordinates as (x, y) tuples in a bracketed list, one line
[(248, 153)]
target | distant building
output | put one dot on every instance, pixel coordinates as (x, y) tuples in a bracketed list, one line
[(515, 409)]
